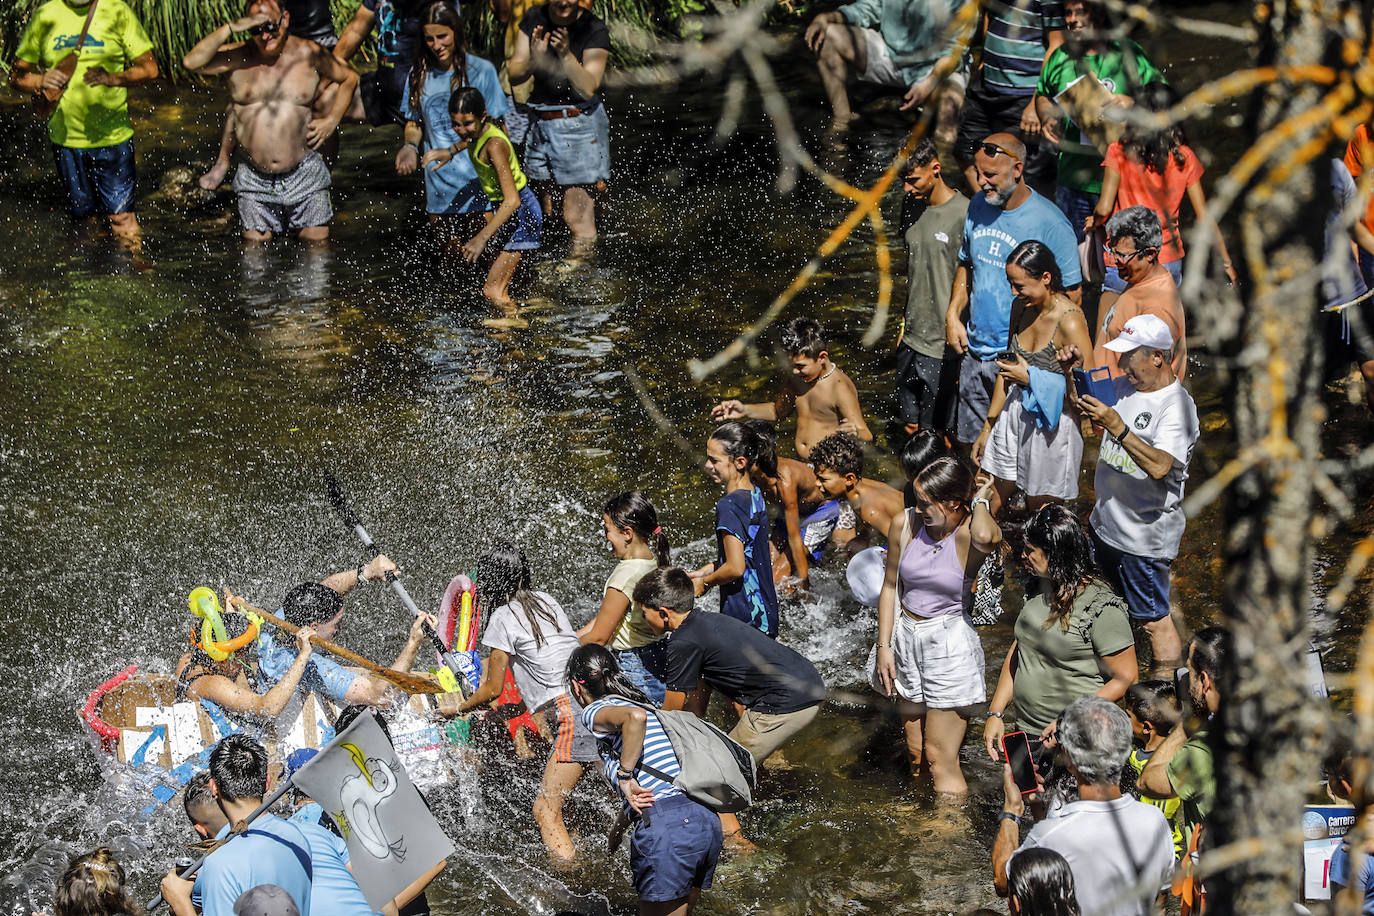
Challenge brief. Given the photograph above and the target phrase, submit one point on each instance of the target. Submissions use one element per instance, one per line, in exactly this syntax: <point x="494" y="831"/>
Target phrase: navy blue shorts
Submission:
<point x="674" y="849"/>
<point x="99" y="179"/>
<point x="523" y="230"/>
<point x="1142" y="581"/>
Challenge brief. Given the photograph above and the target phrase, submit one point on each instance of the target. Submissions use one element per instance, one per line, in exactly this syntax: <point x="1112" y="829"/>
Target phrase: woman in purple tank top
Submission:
<point x="929" y="656"/>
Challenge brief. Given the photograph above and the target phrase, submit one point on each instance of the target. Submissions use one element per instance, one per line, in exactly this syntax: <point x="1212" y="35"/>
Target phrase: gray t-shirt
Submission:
<point x="1111" y="847"/>
<point x="541" y="669"/>
<point x="932" y="244"/>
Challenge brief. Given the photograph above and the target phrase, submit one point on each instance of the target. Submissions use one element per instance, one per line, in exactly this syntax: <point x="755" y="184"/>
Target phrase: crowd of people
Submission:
<point x="1043" y="310"/>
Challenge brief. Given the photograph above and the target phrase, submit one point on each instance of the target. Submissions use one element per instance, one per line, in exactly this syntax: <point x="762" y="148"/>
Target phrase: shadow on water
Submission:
<point x="164" y="423"/>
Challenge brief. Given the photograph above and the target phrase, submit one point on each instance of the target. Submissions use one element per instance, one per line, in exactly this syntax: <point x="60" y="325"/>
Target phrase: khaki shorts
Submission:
<point x="761" y="733"/>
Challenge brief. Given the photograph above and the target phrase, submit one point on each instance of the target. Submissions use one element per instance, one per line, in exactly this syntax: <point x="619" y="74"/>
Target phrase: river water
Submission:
<point x="165" y="420"/>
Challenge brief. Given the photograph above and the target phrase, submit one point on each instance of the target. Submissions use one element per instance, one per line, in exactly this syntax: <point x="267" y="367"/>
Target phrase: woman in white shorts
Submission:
<point x="929" y="655"/>
<point x="1031" y="438"/>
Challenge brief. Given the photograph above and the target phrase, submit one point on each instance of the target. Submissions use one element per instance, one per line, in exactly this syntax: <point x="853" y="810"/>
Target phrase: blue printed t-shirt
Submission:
<point x="453" y="187"/>
<point x="321" y="674"/>
<point x="398" y="25"/>
<point x="334" y="890"/>
<point x="1015" y="44"/>
<point x="751" y="598"/>
<point x="271" y="851"/>
<point x="658" y="751"/>
<point x="990" y="234"/>
<point x="1340" y="874"/>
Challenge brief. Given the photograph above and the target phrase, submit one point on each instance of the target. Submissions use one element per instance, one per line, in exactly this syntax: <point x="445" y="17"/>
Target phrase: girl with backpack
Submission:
<point x="676" y="841"/>
<point x="528" y="632"/>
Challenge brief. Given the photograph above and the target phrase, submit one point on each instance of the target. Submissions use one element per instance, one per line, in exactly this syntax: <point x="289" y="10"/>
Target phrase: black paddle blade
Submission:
<point x="336" y="496"/>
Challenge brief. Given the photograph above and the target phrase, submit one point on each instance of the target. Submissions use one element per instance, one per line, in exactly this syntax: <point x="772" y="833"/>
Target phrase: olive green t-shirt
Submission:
<point x="932" y="244"/>
<point x="1190" y="773"/>
<point x="1055" y="666"/>
<point x="633" y="631"/>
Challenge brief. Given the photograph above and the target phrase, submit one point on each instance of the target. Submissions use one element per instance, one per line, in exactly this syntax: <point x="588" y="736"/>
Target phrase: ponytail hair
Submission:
<point x="438" y="13"/>
<point x="767" y="461"/>
<point x="503" y="577"/>
<point x="633" y="510"/>
<point x="739" y="441"/>
<point x="946" y="480"/>
<point x="593" y="668"/>
<point x="467" y="101"/>
<point x="1036" y="259"/>
<point x="93" y="885"/>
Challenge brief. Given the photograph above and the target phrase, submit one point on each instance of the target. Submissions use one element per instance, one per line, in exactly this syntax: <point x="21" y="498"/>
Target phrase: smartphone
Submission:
<point x="1016" y="747"/>
<point x="1181" y="692"/>
<point x="1006" y="356"/>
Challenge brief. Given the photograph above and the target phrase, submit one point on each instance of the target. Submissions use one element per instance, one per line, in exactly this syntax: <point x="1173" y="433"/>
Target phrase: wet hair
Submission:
<point x="923" y="155"/>
<point x="842" y="453"/>
<point x="920" y="450"/>
<point x="945" y="480"/>
<point x="633" y="510"/>
<point x="467" y="101"/>
<point x="593" y="668"/>
<point x="767" y="461"/>
<point x="197" y="800"/>
<point x="1148" y="145"/>
<point x="1042" y="883"/>
<point x="238" y="764"/>
<point x="1153" y="701"/>
<point x="803" y="337"/>
<point x="309" y="603"/>
<point x="93" y="885"/>
<point x="739" y="441"/>
<point x="1054" y="530"/>
<point x="1138" y="223"/>
<point x="352" y="711"/>
<point x="1096" y="736"/>
<point x="503" y="577"/>
<point x="438" y="13"/>
<point x="1036" y="259"/>
<point x="1211" y="650"/>
<point x="666" y="587"/>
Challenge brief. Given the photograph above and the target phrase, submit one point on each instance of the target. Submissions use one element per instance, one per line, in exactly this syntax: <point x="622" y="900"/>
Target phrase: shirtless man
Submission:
<point x="866" y="504"/>
<point x="809" y="514"/>
<point x="824" y="398"/>
<point x="274" y="78"/>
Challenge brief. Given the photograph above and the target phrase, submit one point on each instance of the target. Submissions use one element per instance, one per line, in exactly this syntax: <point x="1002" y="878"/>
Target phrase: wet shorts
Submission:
<point x="939" y="661"/>
<point x="295" y="199"/>
<point x="816" y="528"/>
<point x="569" y="151"/>
<point x="1142" y="581"/>
<point x="572" y="743"/>
<point x="99" y="179"/>
<point x="762" y="733"/>
<point x="927" y="388"/>
<point x="523" y="230"/>
<point x="674" y="849"/>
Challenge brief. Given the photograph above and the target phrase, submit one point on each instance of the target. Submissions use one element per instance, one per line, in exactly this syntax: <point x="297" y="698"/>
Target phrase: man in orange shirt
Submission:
<point x="1134" y="236"/>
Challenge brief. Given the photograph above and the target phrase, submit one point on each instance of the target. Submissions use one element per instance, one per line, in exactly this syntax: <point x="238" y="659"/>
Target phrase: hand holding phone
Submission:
<point x="1016" y="750"/>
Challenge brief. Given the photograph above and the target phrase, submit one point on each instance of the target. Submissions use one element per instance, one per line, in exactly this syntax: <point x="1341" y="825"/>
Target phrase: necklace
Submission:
<point x="829" y="372"/>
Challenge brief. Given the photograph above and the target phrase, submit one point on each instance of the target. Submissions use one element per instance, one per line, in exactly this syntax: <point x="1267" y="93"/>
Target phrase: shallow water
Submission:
<point x="164" y="423"/>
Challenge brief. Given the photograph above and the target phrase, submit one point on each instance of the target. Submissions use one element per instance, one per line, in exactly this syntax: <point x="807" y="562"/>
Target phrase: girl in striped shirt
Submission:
<point x="676" y="841"/>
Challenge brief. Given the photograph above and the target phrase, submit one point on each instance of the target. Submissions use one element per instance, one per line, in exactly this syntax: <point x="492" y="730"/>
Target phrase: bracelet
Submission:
<point x="982" y="500"/>
<point x="622" y="773"/>
<point x="1121" y="438"/>
<point x="362" y="580"/>
<point x="1008" y="816"/>
<point x="997" y="715"/>
<point x="414" y="146"/>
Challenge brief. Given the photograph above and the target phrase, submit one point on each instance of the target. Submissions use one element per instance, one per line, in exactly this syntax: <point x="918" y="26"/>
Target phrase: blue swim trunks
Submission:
<point x="98" y="180"/>
<point x="522" y="231"/>
<point x="817" y="524"/>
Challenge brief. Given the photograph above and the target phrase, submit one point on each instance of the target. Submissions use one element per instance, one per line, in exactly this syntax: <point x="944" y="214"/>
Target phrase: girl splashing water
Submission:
<point x="516" y="223"/>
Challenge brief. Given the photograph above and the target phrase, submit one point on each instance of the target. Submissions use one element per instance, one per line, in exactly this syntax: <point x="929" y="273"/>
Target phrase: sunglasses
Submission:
<point x="267" y="28"/>
<point x="1126" y="258"/>
<point x="992" y="149"/>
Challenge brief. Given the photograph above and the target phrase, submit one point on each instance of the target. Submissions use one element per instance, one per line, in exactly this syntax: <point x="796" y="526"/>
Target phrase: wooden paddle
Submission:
<point x="45" y="103"/>
<point x="407" y="681"/>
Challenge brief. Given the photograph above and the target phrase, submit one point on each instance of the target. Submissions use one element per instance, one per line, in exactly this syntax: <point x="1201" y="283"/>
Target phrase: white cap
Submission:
<point x="1143" y="331"/>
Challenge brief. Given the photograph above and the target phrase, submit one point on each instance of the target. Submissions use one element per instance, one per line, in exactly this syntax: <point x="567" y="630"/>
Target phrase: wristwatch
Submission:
<point x="984" y="501"/>
<point x="362" y="580"/>
<point x="1008" y="816"/>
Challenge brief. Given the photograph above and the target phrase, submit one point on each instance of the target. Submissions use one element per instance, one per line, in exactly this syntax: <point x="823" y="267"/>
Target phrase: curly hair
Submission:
<point x="842" y="453"/>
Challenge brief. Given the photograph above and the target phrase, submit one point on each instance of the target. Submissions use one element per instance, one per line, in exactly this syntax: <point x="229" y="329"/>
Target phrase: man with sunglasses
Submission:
<point x="1006" y="213"/>
<point x="1134" y="237"/>
<point x="274" y="78"/>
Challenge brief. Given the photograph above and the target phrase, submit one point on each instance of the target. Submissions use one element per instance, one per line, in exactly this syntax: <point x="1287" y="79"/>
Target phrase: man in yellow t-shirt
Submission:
<point x="91" y="132"/>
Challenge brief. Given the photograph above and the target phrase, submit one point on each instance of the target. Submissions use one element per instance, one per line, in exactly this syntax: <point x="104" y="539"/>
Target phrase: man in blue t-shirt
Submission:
<point x="270" y="851"/>
<point x="1006" y="213"/>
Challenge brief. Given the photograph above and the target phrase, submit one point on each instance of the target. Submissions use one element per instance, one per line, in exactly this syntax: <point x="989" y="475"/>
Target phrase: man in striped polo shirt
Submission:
<point x="1018" y="36"/>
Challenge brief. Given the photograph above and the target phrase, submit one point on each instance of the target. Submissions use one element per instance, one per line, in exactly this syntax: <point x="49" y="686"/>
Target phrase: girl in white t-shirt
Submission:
<point x="529" y="634"/>
<point x="632" y="529"/>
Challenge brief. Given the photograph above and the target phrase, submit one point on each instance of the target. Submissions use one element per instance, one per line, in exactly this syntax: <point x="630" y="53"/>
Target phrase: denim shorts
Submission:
<point x="674" y="848"/>
<point x="99" y="179"/>
<point x="1142" y="581"/>
<point x="569" y="151"/>
<point x="522" y="231"/>
<point x="646" y="667"/>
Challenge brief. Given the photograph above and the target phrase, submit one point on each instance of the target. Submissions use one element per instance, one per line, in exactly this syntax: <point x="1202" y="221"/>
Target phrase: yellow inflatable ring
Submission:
<point x="214" y="640"/>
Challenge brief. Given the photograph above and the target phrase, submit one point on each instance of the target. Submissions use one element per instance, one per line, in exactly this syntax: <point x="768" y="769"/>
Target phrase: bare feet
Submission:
<point x="215" y="176"/>
<point x="738" y="844"/>
<point x="842" y="123"/>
